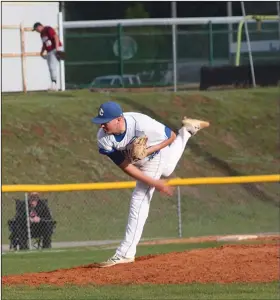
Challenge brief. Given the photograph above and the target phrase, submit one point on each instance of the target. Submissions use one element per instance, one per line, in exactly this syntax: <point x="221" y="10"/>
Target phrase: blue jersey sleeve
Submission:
<point x="116" y="156"/>
<point x="167" y="131"/>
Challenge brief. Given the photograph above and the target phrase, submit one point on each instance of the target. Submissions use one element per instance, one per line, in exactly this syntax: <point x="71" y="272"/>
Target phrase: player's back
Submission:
<point x="138" y="117"/>
<point x="153" y="129"/>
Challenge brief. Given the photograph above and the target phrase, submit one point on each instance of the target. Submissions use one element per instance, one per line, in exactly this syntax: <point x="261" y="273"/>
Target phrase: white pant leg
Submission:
<point x="173" y="153"/>
<point x="52" y="64"/>
<point x="139" y="208"/>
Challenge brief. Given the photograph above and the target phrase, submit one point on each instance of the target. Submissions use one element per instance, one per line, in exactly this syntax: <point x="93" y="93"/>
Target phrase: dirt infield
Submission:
<point x="225" y="264"/>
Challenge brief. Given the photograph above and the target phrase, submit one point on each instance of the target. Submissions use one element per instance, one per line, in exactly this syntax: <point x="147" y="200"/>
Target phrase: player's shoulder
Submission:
<point x="101" y="135"/>
<point x="133" y="114"/>
<point x="49" y="29"/>
<point x="142" y="119"/>
<point x="104" y="141"/>
<point x="136" y="116"/>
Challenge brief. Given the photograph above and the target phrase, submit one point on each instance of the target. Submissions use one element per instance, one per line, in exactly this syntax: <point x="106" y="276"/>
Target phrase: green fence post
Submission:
<point x="211" y="54"/>
<point x="120" y="52"/>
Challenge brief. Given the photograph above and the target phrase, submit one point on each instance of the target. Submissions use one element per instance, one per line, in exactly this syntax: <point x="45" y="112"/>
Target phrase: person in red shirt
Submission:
<point x="51" y="44"/>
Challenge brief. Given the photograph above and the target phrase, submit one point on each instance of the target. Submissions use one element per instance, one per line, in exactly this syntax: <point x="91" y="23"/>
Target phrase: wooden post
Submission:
<point x="30" y="29"/>
<point x="7" y="55"/>
<point x="23" y="59"/>
<point x="9" y="27"/>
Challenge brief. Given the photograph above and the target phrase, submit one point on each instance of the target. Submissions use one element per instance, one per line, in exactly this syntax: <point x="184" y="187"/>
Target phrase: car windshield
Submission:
<point x="102" y="81"/>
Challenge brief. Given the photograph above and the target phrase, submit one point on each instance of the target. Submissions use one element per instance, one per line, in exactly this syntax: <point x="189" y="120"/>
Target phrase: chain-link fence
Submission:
<point x="143" y="56"/>
<point x="99" y="217"/>
<point x="84" y="216"/>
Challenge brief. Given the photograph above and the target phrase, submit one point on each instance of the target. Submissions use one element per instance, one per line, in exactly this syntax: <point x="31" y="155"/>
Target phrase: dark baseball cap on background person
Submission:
<point x="107" y="112"/>
<point x="36" y="25"/>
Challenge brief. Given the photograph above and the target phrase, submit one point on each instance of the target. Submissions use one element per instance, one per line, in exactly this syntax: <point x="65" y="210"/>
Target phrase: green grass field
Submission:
<point x="267" y="291"/>
<point x="48" y="138"/>
<point x="17" y="263"/>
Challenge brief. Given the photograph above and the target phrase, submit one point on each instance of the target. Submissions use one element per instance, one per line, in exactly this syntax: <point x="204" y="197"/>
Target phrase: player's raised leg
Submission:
<point x="174" y="152"/>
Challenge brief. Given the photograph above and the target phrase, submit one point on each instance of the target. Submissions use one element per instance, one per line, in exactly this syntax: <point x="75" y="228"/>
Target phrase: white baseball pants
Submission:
<point x="162" y="164"/>
<point x="52" y="64"/>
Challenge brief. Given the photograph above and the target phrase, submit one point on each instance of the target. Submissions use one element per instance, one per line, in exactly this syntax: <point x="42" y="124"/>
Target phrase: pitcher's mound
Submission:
<point x="225" y="264"/>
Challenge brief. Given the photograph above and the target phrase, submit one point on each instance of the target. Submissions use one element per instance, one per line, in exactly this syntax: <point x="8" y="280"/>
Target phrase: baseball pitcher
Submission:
<point x="146" y="150"/>
<point x="53" y="46"/>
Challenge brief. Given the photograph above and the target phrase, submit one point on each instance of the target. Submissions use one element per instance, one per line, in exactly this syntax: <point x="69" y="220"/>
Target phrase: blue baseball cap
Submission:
<point x="107" y="112"/>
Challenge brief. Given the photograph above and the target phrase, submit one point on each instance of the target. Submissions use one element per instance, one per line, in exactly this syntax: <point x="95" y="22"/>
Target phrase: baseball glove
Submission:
<point x="60" y="55"/>
<point x="137" y="150"/>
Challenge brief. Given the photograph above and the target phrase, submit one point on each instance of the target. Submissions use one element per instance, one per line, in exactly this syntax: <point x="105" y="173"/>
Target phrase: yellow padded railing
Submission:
<point x="131" y="184"/>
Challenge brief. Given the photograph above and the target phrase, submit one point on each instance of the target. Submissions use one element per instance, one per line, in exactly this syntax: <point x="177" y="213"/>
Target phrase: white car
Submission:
<point x="116" y="81"/>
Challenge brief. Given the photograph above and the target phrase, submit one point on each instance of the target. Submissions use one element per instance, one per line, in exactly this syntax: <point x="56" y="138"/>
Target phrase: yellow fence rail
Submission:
<point x="258" y="19"/>
<point x="131" y="184"/>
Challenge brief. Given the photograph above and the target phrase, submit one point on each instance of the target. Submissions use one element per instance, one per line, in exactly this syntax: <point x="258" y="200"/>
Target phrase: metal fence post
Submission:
<point x="211" y="54"/>
<point x="179" y="212"/>
<point x="120" y="51"/>
<point x="248" y="45"/>
<point x="278" y="13"/>
<point x="61" y="63"/>
<point x="230" y="30"/>
<point x="174" y="45"/>
<point x="27" y="220"/>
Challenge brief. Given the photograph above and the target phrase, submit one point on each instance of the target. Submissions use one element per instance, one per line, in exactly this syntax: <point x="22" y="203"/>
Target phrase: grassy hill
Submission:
<point x="49" y="138"/>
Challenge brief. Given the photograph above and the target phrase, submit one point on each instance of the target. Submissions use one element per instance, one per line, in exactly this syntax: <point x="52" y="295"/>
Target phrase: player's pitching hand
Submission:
<point x="162" y="187"/>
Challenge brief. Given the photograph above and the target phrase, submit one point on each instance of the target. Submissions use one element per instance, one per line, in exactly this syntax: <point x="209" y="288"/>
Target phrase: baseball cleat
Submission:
<point x="193" y="126"/>
<point x="115" y="260"/>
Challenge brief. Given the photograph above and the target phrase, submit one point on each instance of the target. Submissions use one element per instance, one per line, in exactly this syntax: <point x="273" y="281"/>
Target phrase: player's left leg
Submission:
<point x="173" y="153"/>
<point x="138" y="214"/>
<point x="53" y="65"/>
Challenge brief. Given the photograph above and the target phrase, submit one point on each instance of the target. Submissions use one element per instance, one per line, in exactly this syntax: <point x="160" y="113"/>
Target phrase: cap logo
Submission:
<point x="101" y="112"/>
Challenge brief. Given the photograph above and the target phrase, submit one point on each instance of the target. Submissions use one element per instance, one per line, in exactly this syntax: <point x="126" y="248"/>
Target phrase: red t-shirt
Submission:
<point x="47" y="36"/>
